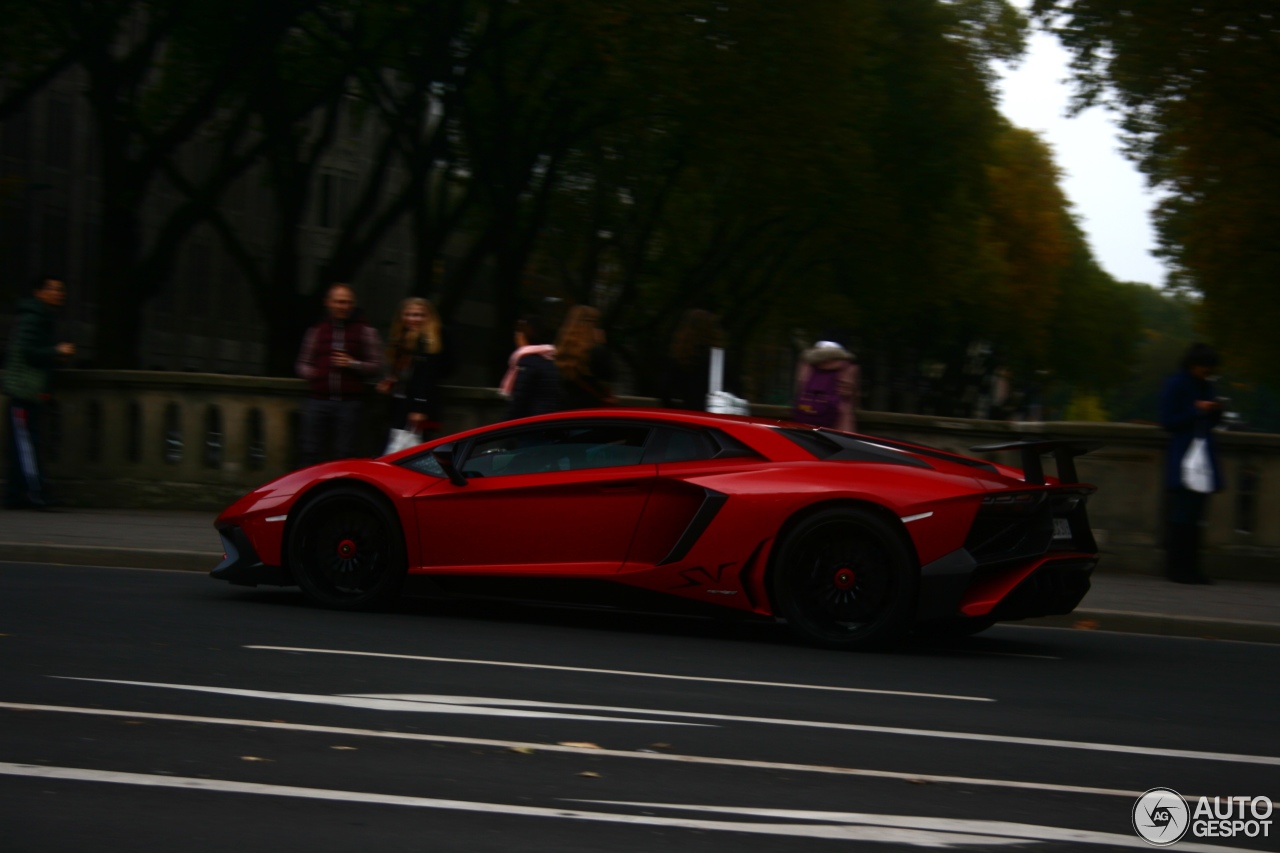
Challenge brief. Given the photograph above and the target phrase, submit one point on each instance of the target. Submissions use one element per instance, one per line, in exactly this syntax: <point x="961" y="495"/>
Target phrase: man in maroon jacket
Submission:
<point x="338" y="354"/>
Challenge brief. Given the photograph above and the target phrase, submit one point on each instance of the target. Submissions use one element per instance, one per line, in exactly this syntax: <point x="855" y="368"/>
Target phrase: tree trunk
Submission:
<point x="118" y="312"/>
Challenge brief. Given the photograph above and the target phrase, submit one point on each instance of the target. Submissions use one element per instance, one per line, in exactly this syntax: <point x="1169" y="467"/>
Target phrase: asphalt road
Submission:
<point x="151" y="710"/>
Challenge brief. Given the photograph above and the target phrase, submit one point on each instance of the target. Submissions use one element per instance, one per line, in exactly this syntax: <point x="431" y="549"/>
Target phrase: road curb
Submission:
<point x="110" y="557"/>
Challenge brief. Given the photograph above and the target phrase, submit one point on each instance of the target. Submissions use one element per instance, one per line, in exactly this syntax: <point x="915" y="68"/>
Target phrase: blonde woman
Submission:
<point x="417" y="359"/>
<point x="583" y="360"/>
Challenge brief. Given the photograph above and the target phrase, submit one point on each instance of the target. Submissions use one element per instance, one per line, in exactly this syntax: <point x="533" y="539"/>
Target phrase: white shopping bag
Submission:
<point x="399" y="439"/>
<point x="1197" y="468"/>
<point x="724" y="403"/>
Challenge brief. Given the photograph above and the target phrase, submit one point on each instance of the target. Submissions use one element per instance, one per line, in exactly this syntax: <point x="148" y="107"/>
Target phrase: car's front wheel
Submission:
<point x="346" y="551"/>
<point x="844" y="579"/>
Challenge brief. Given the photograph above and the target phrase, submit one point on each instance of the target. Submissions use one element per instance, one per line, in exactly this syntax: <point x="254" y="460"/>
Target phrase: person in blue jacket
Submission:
<point x="1189" y="409"/>
<point x="34" y="352"/>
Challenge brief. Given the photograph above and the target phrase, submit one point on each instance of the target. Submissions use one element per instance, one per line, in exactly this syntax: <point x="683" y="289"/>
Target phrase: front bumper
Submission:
<point x="241" y="565"/>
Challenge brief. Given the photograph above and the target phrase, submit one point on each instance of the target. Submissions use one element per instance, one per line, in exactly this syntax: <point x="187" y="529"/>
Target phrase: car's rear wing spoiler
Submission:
<point x="1064" y="453"/>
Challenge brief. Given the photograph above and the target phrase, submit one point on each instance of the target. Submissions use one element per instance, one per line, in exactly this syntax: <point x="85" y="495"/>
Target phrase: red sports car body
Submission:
<point x="853" y="539"/>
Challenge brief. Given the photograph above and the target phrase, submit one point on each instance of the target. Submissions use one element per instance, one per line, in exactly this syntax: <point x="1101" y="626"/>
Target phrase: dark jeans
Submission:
<point x="1182" y="535"/>
<point x="24" y="479"/>
<point x="325" y="420"/>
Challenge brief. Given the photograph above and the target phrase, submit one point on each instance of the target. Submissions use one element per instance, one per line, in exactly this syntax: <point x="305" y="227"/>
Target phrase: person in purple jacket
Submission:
<point x="339" y="354"/>
<point x="1189" y="409"/>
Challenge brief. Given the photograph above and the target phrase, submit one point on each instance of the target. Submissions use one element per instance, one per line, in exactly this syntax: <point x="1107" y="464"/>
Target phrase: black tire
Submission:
<point x="844" y="579"/>
<point x="346" y="551"/>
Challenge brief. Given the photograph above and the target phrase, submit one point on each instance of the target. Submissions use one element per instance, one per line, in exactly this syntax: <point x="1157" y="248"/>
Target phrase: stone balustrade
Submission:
<point x="198" y="441"/>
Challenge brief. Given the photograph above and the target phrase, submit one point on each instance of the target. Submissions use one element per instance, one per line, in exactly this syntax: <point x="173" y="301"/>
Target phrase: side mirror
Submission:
<point x="444" y="458"/>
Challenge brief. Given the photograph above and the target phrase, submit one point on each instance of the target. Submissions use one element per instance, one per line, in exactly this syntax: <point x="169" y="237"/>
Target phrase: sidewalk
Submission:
<point x="157" y="539"/>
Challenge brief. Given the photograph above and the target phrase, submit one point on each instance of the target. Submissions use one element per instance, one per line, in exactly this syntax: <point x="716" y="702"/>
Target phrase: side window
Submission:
<point x="423" y="463"/>
<point x="558" y="448"/>
<point x="684" y="445"/>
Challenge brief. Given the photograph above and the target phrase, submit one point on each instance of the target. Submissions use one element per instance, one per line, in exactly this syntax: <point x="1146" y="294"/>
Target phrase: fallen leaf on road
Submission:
<point x="255" y="758"/>
<point x="917" y="781"/>
<point x="580" y="744"/>
<point x="660" y="745"/>
<point x="590" y="773"/>
<point x="1086" y="625"/>
<point x="523" y="750"/>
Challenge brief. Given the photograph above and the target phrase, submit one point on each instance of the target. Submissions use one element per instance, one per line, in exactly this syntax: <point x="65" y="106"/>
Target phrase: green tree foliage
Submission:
<point x="1197" y="86"/>
<point x="832" y="164"/>
<point x="157" y="73"/>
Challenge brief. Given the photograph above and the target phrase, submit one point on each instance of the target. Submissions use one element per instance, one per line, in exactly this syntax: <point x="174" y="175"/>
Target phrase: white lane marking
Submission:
<point x="741" y="763"/>
<point x="375" y="704"/>
<point x="882" y="829"/>
<point x="916" y="831"/>
<point x="920" y="517"/>
<point x="998" y="828"/>
<point x="434" y="705"/>
<point x="624" y="672"/>
<point x="818" y="724"/>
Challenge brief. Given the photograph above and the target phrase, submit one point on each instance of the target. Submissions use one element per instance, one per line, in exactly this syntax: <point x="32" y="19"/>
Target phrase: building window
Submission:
<point x="16" y="130"/>
<point x="1247" y="498"/>
<point x="58" y="135"/>
<point x="55" y="242"/>
<point x="326" y="201"/>
<point x="198" y="297"/>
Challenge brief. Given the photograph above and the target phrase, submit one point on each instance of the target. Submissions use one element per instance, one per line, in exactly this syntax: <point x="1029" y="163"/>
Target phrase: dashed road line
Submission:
<point x="898" y="830"/>
<point x="623" y="672"/>
<point x="536" y="747"/>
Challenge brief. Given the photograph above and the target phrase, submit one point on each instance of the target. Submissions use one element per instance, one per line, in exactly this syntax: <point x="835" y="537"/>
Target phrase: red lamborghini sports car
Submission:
<point x="853" y="540"/>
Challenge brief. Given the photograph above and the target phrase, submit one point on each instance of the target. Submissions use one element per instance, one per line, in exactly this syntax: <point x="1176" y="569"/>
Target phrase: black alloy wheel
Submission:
<point x="346" y="551"/>
<point x="844" y="579"/>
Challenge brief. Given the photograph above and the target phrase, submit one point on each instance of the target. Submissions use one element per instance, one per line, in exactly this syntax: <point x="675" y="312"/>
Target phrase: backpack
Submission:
<point x="818" y="402"/>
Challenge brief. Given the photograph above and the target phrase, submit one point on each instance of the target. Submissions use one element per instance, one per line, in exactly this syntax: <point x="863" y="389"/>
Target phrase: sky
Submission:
<point x="1107" y="192"/>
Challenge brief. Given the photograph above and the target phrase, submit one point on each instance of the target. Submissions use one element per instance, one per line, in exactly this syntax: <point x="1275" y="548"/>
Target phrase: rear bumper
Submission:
<point x="241" y="565"/>
<point x="1052" y="587"/>
<point x="957" y="587"/>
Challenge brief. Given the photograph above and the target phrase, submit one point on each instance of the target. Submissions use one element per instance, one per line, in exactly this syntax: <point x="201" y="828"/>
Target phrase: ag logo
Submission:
<point x="1161" y="816"/>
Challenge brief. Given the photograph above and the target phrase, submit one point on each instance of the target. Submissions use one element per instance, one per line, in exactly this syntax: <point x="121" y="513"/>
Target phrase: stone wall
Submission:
<point x="198" y="441"/>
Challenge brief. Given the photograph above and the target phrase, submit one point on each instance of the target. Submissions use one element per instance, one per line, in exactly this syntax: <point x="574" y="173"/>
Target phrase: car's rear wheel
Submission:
<point x="844" y="579"/>
<point x="346" y="551"/>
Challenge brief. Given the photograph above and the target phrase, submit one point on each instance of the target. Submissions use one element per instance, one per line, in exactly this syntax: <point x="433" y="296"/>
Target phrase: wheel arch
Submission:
<point x="891" y="520"/>
<point x="326" y="487"/>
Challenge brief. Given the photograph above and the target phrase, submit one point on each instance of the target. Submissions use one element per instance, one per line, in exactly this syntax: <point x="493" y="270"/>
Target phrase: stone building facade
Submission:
<point x="205" y="319"/>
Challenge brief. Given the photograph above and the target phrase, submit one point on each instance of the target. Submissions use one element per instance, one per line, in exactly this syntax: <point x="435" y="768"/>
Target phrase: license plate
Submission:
<point x="1061" y="528"/>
